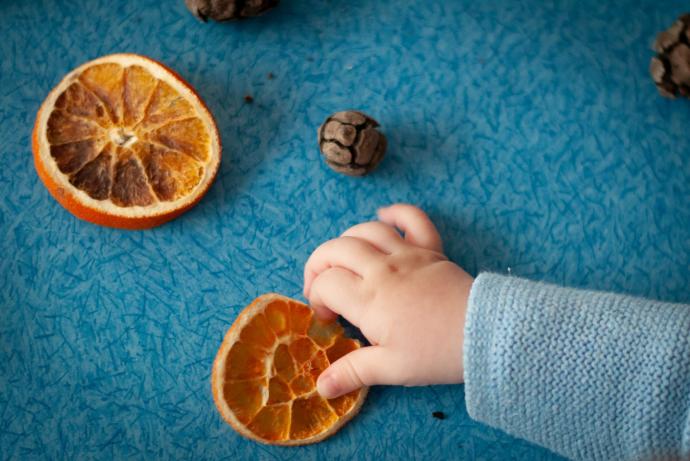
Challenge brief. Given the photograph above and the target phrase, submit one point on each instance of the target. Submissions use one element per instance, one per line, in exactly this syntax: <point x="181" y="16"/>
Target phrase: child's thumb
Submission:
<point x="362" y="367"/>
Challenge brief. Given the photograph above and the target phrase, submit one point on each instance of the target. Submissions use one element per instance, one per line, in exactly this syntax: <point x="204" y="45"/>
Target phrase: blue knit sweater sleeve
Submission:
<point x="589" y="375"/>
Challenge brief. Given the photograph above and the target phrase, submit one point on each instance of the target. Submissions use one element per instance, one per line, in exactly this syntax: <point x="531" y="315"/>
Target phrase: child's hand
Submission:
<point x="405" y="296"/>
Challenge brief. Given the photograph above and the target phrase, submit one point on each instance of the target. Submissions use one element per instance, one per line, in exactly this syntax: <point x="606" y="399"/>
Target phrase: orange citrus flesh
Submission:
<point x="264" y="376"/>
<point x="125" y="142"/>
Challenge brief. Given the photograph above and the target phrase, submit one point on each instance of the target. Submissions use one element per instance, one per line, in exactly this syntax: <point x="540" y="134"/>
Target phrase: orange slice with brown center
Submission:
<point x="123" y="141"/>
<point x="264" y="376"/>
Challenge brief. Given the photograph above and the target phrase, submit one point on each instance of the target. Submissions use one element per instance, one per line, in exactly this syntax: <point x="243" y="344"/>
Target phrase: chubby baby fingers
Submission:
<point x="362" y="367"/>
<point x="382" y="236"/>
<point x="337" y="291"/>
<point x="353" y="254"/>
<point x="415" y="224"/>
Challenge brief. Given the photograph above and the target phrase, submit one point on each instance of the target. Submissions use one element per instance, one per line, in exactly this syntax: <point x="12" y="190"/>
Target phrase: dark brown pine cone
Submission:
<point x="227" y="10"/>
<point x="670" y="68"/>
<point x="350" y="143"/>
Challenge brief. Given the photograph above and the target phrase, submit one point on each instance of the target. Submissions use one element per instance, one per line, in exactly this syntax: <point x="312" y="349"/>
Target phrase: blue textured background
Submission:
<point x="530" y="131"/>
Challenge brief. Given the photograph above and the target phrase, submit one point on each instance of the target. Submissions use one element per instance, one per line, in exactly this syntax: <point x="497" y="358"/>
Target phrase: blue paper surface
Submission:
<point x="529" y="130"/>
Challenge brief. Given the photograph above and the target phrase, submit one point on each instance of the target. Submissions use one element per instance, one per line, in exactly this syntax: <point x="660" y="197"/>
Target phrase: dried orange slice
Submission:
<point x="264" y="376"/>
<point x="123" y="141"/>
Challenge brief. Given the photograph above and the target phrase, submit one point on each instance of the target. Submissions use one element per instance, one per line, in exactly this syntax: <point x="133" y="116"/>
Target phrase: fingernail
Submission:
<point x="327" y="386"/>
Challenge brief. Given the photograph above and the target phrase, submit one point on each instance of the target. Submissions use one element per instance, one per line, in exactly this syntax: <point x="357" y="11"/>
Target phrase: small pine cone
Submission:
<point x="670" y="68"/>
<point x="227" y="10"/>
<point x="350" y="143"/>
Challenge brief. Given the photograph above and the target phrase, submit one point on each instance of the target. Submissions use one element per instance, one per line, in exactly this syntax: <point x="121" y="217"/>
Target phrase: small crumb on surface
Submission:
<point x="439" y="415"/>
<point x="248" y="99"/>
<point x="270" y="76"/>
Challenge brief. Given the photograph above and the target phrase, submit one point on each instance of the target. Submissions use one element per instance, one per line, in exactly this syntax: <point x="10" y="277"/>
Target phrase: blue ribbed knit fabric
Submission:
<point x="592" y="376"/>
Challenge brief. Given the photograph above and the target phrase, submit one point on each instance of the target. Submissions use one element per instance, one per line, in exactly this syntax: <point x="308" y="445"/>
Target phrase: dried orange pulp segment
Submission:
<point x="123" y="141"/>
<point x="264" y="376"/>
